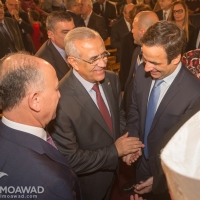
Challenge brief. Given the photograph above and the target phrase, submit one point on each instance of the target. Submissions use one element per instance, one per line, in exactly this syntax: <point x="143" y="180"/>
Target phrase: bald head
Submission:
<point x="142" y="21"/>
<point x="19" y="74"/>
<point x="145" y="19"/>
<point x="127" y="10"/>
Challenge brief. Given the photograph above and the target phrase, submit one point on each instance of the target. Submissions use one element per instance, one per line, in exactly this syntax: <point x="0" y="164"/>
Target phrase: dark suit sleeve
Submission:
<point x="115" y="38"/>
<point x="25" y="24"/>
<point x="133" y="115"/>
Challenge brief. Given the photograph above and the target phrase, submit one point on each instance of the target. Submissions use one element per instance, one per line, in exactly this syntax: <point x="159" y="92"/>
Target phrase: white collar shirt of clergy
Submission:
<point x="37" y="131"/>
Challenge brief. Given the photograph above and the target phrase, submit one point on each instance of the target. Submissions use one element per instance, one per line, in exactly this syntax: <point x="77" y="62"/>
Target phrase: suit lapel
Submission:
<point x="85" y="101"/>
<point x="60" y="63"/>
<point x="9" y="30"/>
<point x="32" y="142"/>
<point x="171" y="92"/>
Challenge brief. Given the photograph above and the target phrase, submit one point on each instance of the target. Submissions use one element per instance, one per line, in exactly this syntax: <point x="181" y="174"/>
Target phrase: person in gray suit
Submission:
<point x="90" y="121"/>
<point x="168" y="91"/>
<point x="58" y="24"/>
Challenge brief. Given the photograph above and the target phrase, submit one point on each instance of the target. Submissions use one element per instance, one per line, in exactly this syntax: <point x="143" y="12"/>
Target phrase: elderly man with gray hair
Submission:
<point x="90" y="121"/>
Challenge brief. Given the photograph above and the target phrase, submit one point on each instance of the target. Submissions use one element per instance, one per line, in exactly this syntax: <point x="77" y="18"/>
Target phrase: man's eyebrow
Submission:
<point x="152" y="62"/>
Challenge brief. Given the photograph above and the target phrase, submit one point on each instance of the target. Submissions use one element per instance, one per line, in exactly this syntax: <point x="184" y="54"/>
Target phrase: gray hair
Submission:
<point x="70" y="3"/>
<point x="55" y="17"/>
<point x="80" y="33"/>
<point x="19" y="73"/>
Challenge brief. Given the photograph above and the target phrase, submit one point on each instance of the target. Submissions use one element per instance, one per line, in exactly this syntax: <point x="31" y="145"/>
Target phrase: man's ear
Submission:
<point x="73" y="62"/>
<point x="34" y="101"/>
<point x="176" y="60"/>
<point x="50" y="35"/>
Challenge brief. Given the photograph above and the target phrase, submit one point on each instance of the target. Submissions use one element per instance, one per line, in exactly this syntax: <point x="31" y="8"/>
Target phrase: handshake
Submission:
<point x="130" y="148"/>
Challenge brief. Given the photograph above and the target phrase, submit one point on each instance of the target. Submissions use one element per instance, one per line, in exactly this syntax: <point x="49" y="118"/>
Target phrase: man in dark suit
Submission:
<point x="142" y="21"/>
<point x="29" y="158"/>
<point x="89" y="118"/>
<point x="58" y="24"/>
<point x="168" y="91"/>
<point x="73" y="8"/>
<point x="23" y="22"/>
<point x="164" y="12"/>
<point x="92" y="20"/>
<point x="107" y="10"/>
<point x="120" y="28"/>
<point x="10" y="35"/>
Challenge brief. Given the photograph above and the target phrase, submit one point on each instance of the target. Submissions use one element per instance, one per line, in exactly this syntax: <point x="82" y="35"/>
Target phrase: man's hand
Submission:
<point x="15" y="14"/>
<point x="131" y="158"/>
<point x="127" y="145"/>
<point x="135" y="197"/>
<point x="144" y="187"/>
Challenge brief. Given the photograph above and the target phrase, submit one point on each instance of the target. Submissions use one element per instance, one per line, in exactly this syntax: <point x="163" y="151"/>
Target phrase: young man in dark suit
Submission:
<point x="10" y="35"/>
<point x="29" y="158"/>
<point x="89" y="119"/>
<point x="163" y="91"/>
<point x="58" y="24"/>
<point x="165" y="11"/>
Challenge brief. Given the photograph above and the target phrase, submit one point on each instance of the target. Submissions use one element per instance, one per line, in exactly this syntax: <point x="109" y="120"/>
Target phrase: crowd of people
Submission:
<point x="65" y="122"/>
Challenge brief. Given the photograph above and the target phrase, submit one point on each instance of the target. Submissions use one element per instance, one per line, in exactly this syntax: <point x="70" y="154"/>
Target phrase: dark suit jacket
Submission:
<point x="159" y="181"/>
<point x="118" y="30"/>
<point x="27" y="29"/>
<point x="15" y="34"/>
<point x="127" y="49"/>
<point x="160" y="14"/>
<point x="30" y="161"/>
<point x="130" y="80"/>
<point x="191" y="44"/>
<point x="180" y="98"/>
<point x="49" y="53"/>
<point x="78" y="20"/>
<point x="109" y="14"/>
<point x="195" y="19"/>
<point x="82" y="135"/>
<point x="97" y="23"/>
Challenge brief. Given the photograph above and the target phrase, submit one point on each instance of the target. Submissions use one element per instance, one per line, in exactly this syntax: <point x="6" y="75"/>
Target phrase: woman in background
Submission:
<point x="180" y="16"/>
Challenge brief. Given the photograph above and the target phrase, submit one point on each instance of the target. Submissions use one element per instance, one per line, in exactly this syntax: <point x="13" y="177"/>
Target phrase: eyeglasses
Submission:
<point x="178" y="11"/>
<point x="95" y="61"/>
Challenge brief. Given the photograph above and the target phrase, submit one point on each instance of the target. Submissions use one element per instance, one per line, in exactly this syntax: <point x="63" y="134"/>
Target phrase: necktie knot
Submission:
<point x="96" y="88"/>
<point x="158" y="82"/>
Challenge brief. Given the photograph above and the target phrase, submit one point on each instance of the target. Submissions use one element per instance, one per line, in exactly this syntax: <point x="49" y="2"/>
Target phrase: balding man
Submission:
<point x="142" y="21"/>
<point x="164" y="90"/>
<point x="120" y="28"/>
<point x="93" y="20"/>
<point x="73" y="8"/>
<point x="30" y="163"/>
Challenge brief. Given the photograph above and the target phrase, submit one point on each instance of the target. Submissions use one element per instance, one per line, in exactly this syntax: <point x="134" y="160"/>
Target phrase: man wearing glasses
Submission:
<point x="89" y="120"/>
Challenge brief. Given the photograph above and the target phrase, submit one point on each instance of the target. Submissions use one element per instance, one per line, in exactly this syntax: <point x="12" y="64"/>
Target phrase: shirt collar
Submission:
<point x="169" y="79"/>
<point x="61" y="51"/>
<point x="87" y="85"/>
<point x="37" y="131"/>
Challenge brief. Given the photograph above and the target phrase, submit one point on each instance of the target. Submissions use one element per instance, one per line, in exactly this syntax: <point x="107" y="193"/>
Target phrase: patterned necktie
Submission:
<point x="7" y="37"/>
<point x="164" y="16"/>
<point x="50" y="141"/>
<point x="102" y="107"/>
<point x="151" y="110"/>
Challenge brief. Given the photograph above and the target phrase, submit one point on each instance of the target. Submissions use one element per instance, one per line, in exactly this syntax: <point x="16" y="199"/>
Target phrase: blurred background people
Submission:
<point x="180" y="16"/>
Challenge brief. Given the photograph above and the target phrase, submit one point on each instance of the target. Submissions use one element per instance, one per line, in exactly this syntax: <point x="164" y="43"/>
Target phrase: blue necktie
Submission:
<point x="151" y="110"/>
